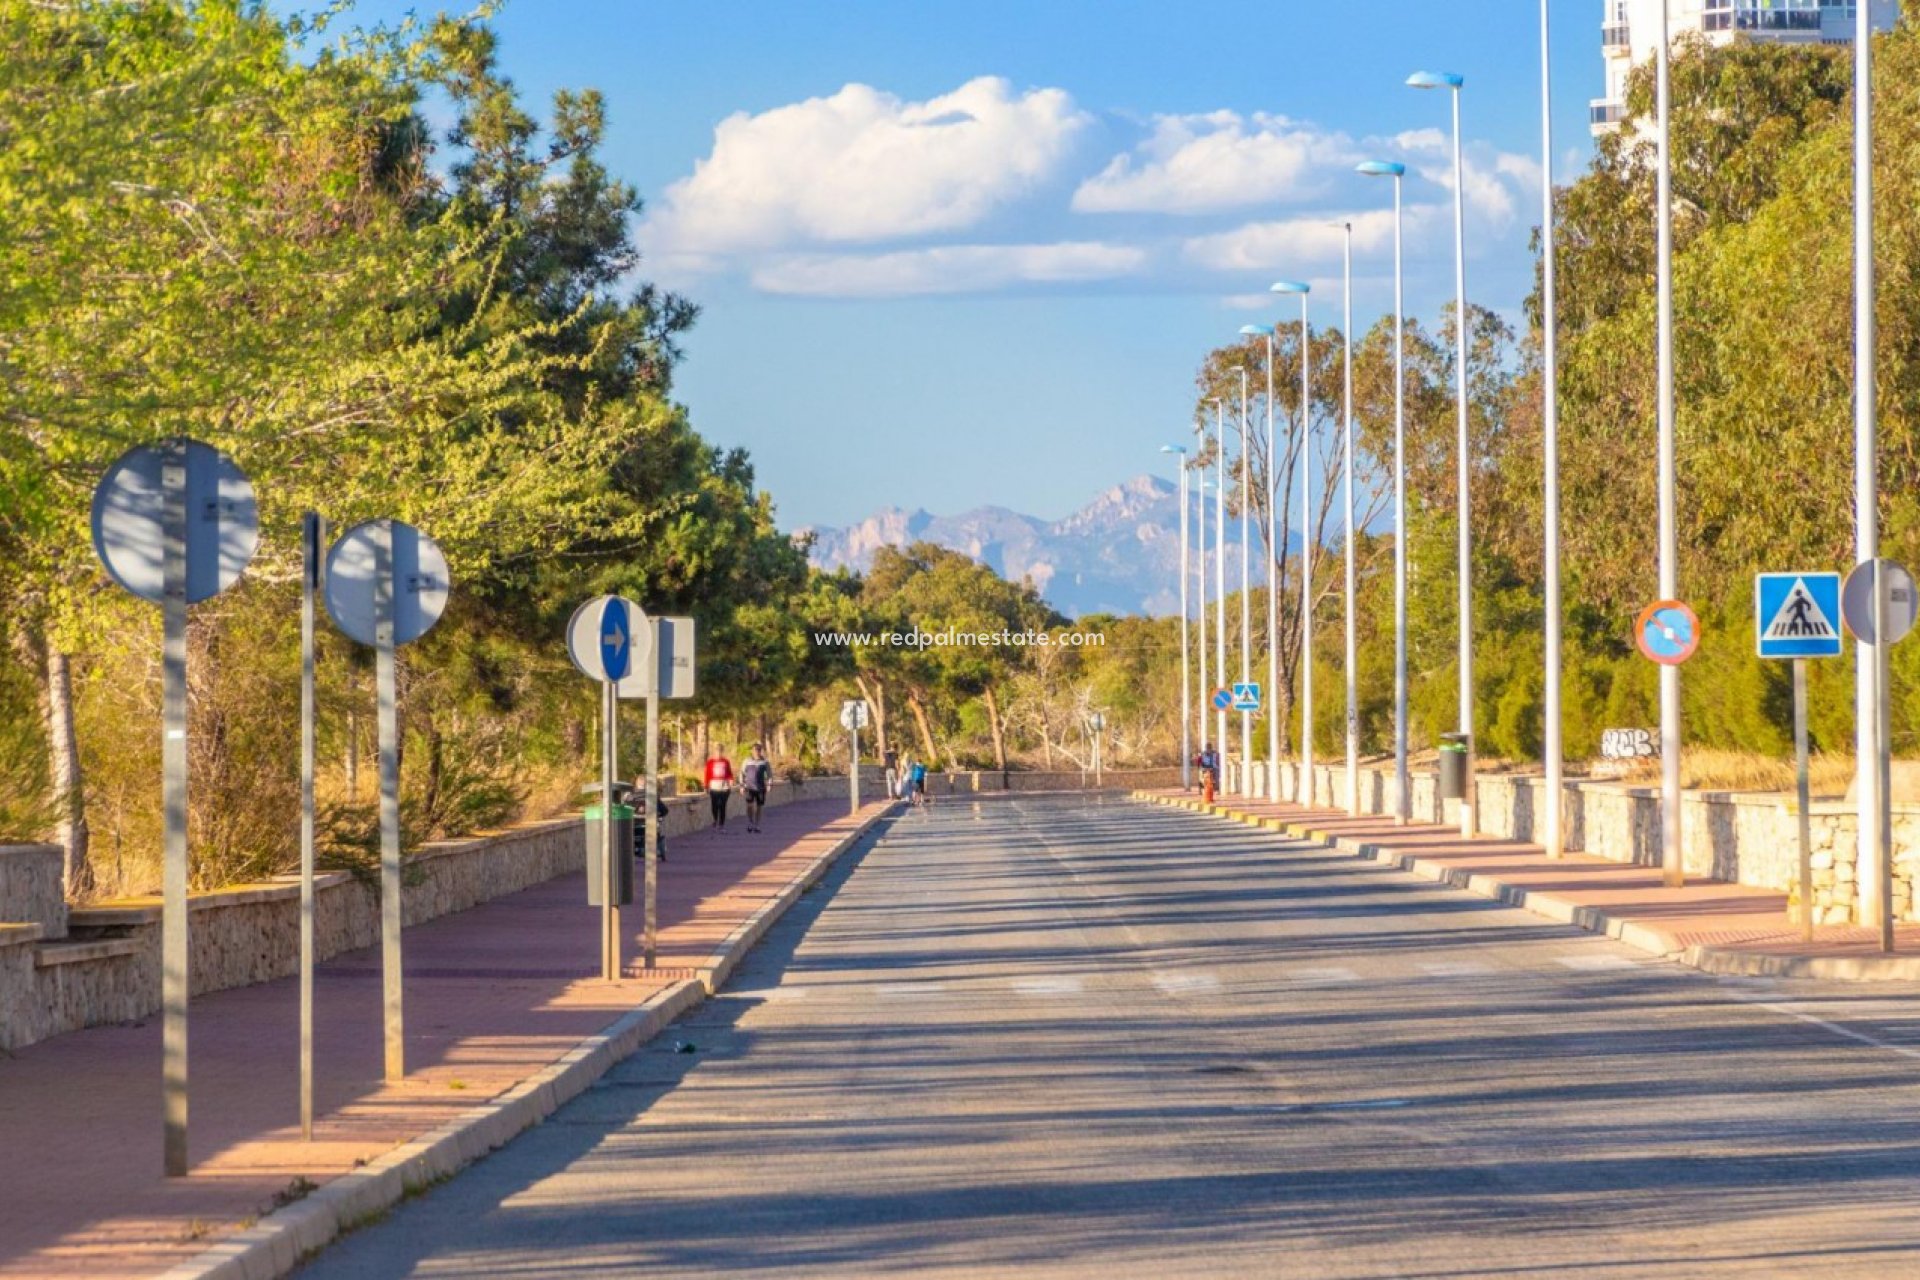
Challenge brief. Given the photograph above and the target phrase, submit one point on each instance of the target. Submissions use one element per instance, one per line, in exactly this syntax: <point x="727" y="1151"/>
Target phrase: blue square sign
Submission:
<point x="1797" y="615"/>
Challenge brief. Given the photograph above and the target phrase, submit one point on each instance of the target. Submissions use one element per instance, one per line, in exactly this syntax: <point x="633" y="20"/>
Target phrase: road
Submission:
<point x="1055" y="1037"/>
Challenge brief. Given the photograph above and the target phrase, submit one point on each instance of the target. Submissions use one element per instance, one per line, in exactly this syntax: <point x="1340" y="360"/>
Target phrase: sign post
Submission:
<point x="853" y="718"/>
<point x="1667" y="633"/>
<point x="1880" y="605"/>
<point x="669" y="674"/>
<point x="386" y="585"/>
<point x="174" y="523"/>
<point x="313" y="538"/>
<point x="1797" y="616"/>
<point x="1098" y="723"/>
<point x="610" y="640"/>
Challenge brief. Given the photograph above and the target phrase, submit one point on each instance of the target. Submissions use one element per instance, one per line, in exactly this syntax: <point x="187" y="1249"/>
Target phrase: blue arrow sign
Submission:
<point x="1797" y="615"/>
<point x="616" y="638"/>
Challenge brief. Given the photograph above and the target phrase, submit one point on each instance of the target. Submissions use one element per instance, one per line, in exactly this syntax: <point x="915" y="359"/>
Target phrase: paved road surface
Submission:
<point x="1027" y="1037"/>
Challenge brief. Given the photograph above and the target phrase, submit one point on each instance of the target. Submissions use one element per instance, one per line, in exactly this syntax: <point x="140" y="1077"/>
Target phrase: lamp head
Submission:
<point x="1381" y="168"/>
<point x="1256" y="330"/>
<point x="1173" y="448"/>
<point x="1291" y="286"/>
<point x="1435" y="80"/>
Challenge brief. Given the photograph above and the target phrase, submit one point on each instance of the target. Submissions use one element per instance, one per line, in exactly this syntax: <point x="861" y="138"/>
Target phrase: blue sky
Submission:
<point x="958" y="253"/>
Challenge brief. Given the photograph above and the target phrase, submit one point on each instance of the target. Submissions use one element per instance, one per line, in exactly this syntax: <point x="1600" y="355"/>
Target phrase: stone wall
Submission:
<point x="1745" y="838"/>
<point x="31" y="891"/>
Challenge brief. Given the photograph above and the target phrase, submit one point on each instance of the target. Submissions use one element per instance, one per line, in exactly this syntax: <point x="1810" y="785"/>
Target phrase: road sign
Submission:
<point x="1096" y="722"/>
<point x="1667" y="632"/>
<point x="1902" y="603"/>
<point x="223" y="525"/>
<point x="1222" y="699"/>
<point x="676" y="657"/>
<point x="853" y="714"/>
<point x="1797" y="615"/>
<point x="419" y="581"/>
<point x="616" y="631"/>
<point x="1246" y="695"/>
<point x="609" y="638"/>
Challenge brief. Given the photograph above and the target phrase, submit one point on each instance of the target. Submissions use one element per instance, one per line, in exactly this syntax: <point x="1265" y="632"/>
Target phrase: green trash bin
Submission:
<point x="622" y="856"/>
<point x="1453" y="765"/>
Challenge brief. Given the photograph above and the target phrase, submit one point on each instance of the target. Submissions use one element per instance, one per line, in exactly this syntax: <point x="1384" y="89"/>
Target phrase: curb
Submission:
<point x="283" y="1239"/>
<point x="1720" y="960"/>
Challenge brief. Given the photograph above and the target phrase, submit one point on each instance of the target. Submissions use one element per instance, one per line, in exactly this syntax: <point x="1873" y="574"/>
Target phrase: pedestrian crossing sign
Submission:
<point x="1797" y="615"/>
<point x="1246" y="696"/>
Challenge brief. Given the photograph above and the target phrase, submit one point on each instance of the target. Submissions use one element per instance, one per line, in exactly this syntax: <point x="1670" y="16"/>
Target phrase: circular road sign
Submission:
<point x="1667" y="632"/>
<point x="129" y="524"/>
<point x="1856" y="601"/>
<point x="609" y="638"/>
<point x="418" y="585"/>
<point x="1222" y="699"/>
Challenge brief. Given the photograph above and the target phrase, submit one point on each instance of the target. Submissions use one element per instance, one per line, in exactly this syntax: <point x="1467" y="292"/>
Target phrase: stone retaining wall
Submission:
<point x="1746" y="838"/>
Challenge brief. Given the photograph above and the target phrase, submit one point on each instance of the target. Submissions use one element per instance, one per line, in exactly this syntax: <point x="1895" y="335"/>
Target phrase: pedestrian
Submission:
<point x="755" y="777"/>
<point x="1209" y="761"/>
<point x="918" y="783"/>
<point x="893" y="773"/>
<point x="719" y="786"/>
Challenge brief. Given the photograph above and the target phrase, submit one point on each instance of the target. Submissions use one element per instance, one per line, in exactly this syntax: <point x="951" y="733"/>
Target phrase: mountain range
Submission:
<point x="1119" y="553"/>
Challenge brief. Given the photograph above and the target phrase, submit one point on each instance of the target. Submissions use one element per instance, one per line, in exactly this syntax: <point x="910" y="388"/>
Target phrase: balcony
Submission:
<point x="1749" y="16"/>
<point x="1613" y="38"/>
<point x="1604" y="113"/>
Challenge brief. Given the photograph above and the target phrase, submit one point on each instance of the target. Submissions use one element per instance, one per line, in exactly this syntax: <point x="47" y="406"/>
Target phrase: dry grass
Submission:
<point x="1829" y="773"/>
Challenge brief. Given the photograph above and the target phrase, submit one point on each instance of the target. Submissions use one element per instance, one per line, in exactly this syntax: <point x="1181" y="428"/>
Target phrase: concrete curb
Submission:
<point x="281" y="1240"/>
<point x="1721" y="960"/>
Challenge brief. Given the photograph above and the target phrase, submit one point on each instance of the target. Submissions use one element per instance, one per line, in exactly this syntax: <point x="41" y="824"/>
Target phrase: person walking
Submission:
<point x="1209" y="762"/>
<point x="917" y="781"/>
<point x="719" y="786"/>
<point x="755" y="777"/>
<point x="893" y="773"/>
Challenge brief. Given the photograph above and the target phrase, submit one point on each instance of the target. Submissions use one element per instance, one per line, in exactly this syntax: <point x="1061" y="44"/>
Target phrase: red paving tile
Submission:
<point x="493" y="994"/>
<point x="1710" y="913"/>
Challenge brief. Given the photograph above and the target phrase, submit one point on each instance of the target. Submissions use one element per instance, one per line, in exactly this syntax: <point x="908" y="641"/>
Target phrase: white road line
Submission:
<point x="1322" y="977"/>
<point x="766" y="993"/>
<point x="1456" y="969"/>
<point x="1834" y="1027"/>
<point x="1175" y="984"/>
<point x="1598" y="962"/>
<point x="1047" y="986"/>
<point x="908" y="990"/>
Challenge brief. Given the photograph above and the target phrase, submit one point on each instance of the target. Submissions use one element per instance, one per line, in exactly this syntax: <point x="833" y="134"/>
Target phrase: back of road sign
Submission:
<point x="420" y="581"/>
<point x="853" y="714"/>
<point x="1797" y="615"/>
<point x="672" y="664"/>
<point x="1856" y="601"/>
<point x="129" y="534"/>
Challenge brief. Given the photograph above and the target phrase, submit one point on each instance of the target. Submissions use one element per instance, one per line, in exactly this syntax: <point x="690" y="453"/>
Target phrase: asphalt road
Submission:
<point x="1052" y="1037"/>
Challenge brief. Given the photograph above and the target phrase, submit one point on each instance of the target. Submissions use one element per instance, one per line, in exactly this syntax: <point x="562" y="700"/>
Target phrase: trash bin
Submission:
<point x="622" y="856"/>
<point x="1453" y="765"/>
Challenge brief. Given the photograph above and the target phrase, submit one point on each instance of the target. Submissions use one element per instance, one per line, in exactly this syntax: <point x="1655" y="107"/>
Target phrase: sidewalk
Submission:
<point x="495" y="995"/>
<point x="1710" y="924"/>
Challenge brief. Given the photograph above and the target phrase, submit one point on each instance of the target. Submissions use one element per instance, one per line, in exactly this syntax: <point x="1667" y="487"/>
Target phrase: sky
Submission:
<point x="954" y="253"/>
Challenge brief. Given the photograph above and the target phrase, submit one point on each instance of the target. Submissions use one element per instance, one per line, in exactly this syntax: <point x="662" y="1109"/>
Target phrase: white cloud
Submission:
<point x="864" y="165"/>
<point x="1495" y="181"/>
<point x="1220" y="160"/>
<point x="961" y="268"/>
<point x="1293" y="244"/>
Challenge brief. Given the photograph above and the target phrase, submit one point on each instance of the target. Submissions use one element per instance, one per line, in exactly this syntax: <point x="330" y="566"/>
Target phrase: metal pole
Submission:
<point x="1883" y="754"/>
<point x="1802" y="794"/>
<point x="1403" y="802"/>
<point x="174" y="953"/>
<point x="1200" y="574"/>
<point x="1220" y="577"/>
<point x="1868" y="694"/>
<point x="1246" y="585"/>
<point x="1305" y="790"/>
<point x="1670" y="851"/>
<point x="1278" y="557"/>
<point x="609" y="882"/>
<point x="1186" y="659"/>
<point x="1353" y="634"/>
<point x="853" y="770"/>
<point x="392" y="995"/>
<point x="1555" y="753"/>
<point x="1464" y="470"/>
<point x="313" y="538"/>
<point x="650" y="923"/>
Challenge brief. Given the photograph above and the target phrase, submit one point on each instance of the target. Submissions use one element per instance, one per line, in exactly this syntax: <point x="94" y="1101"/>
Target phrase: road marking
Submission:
<point x="1456" y="969"/>
<point x="908" y="990"/>
<point x="1834" y="1027"/>
<point x="1598" y="962"/>
<point x="1357" y="1104"/>
<point x="1175" y="984"/>
<point x="1322" y="977"/>
<point x="766" y="993"/>
<point x="1047" y="986"/>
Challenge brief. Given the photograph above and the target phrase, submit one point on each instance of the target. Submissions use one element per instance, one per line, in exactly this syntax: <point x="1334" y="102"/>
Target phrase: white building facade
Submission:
<point x="1630" y="33"/>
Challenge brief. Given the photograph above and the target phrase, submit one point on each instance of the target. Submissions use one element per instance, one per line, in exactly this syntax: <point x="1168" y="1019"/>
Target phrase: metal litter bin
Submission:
<point x="622" y="856"/>
<point x="1453" y="765"/>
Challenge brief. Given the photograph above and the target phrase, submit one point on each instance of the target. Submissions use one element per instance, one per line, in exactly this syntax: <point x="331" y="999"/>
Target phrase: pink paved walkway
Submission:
<point x="493" y="995"/>
<point x="1744" y="927"/>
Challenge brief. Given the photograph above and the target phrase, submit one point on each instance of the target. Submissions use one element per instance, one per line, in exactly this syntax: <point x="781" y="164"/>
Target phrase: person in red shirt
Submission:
<point x="719" y="786"/>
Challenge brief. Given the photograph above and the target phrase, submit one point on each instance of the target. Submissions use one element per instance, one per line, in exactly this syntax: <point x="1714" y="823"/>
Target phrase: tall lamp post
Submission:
<point x="1403" y="799"/>
<point x="1199" y="467"/>
<point x="1346" y="466"/>
<point x="1450" y="81"/>
<point x="1304" y="792"/>
<point x="1555" y="835"/>
<point x="1186" y="690"/>
<point x="1869" y="680"/>
<point x="1220" y="574"/>
<point x="1670" y="849"/>
<point x="1246" y="586"/>
<point x="1273" y="578"/>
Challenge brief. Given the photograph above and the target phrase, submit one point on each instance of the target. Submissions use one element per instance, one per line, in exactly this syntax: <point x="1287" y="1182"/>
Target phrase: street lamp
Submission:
<point x="1403" y="799"/>
<point x="1246" y="588"/>
<point x="1305" y="787"/>
<point x="1346" y="465"/>
<point x="1200" y="567"/>
<point x="1273" y="605"/>
<point x="1220" y="575"/>
<point x="1551" y="747"/>
<point x="1186" y="692"/>
<point x="1452" y="82"/>
<point x="1675" y="871"/>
